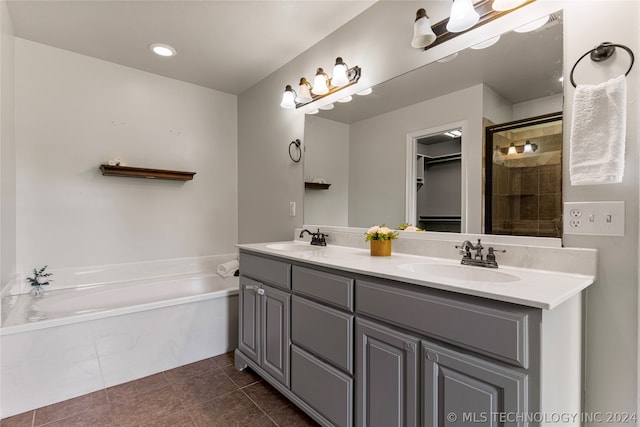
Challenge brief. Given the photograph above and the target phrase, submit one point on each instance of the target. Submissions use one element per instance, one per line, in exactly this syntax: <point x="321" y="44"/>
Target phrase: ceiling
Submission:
<point x="223" y="45"/>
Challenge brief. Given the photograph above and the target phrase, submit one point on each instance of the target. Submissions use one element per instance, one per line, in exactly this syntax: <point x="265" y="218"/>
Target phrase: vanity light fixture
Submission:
<point x="288" y="98"/>
<point x="423" y="34"/>
<point x="527" y="147"/>
<point x="320" y="83"/>
<point x="162" y="49"/>
<point x="463" y="16"/>
<point x="304" y="92"/>
<point x="323" y="86"/>
<point x="504" y="5"/>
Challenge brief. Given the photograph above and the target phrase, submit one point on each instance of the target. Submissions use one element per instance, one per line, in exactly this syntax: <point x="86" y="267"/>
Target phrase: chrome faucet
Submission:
<point x="478" y="259"/>
<point x="317" y="238"/>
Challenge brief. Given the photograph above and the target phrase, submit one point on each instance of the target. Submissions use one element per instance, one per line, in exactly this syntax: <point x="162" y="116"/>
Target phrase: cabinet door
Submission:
<point x="459" y="389"/>
<point x="386" y="376"/>
<point x="249" y="326"/>
<point x="275" y="333"/>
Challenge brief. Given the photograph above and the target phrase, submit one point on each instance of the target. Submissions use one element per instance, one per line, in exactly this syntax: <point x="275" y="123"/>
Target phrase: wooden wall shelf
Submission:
<point x="132" y="172"/>
<point x="316" y="186"/>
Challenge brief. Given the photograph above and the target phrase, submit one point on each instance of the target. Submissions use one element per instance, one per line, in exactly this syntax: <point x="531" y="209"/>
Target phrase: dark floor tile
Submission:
<point x="266" y="397"/>
<point x="96" y="417"/>
<point x="138" y="386"/>
<point x="145" y="407"/>
<point x="21" y="420"/>
<point x="201" y="367"/>
<point x="232" y="409"/>
<point x="178" y="419"/>
<point x="69" y="408"/>
<point x="223" y="360"/>
<point x="201" y="388"/>
<point x="291" y="416"/>
<point x="241" y="378"/>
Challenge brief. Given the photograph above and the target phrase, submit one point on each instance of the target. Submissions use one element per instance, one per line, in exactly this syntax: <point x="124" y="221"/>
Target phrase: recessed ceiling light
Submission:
<point x="327" y="107"/>
<point x="162" y="49"/>
<point x="365" y="92"/>
<point x="346" y="99"/>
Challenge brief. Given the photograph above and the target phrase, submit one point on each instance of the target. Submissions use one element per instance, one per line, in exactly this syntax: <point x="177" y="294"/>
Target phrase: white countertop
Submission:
<point x="534" y="288"/>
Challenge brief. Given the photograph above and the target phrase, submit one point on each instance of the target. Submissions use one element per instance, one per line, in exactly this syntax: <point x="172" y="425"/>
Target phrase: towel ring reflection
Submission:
<point x="601" y="53"/>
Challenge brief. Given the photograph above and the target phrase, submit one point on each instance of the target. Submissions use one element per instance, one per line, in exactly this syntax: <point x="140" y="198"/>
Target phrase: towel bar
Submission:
<point x="600" y="53"/>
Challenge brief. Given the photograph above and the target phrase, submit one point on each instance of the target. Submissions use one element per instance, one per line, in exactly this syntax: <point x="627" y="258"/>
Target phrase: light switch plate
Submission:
<point x="594" y="218"/>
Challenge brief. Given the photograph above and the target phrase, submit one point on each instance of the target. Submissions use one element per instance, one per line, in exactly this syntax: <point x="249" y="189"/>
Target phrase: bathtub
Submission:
<point x="78" y="339"/>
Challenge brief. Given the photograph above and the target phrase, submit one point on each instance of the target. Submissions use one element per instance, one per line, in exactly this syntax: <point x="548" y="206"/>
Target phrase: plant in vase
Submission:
<point x="39" y="279"/>
<point x="408" y="227"/>
<point x="380" y="238"/>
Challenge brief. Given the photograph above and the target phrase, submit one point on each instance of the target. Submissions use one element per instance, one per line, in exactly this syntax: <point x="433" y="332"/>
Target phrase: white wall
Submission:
<point x="74" y="113"/>
<point x="611" y="321"/>
<point x="612" y="303"/>
<point x="377" y="156"/>
<point x="538" y="107"/>
<point x="326" y="152"/>
<point x="7" y="149"/>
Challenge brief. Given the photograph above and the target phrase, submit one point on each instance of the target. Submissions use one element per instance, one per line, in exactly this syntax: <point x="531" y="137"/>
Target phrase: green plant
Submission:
<point x="40" y="277"/>
<point x="380" y="233"/>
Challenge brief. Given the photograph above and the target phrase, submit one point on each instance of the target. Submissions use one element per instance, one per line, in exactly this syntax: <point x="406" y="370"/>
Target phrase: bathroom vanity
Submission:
<point x="367" y="341"/>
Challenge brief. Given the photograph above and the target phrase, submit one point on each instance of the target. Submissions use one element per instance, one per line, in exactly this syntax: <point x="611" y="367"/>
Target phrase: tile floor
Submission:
<point x="208" y="393"/>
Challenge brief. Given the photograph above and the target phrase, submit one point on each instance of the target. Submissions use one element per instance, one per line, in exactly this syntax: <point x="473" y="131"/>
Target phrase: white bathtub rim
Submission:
<point x="27" y="325"/>
<point x="147" y="270"/>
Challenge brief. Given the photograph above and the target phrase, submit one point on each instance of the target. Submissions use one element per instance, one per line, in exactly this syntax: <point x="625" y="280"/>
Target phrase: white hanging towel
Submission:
<point x="598" y="132"/>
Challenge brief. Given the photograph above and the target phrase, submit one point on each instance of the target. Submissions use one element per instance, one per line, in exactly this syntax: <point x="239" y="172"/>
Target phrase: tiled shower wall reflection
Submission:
<point x="527" y="197"/>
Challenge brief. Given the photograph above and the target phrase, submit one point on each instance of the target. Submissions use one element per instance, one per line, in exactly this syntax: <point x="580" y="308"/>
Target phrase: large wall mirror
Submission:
<point x="362" y="158"/>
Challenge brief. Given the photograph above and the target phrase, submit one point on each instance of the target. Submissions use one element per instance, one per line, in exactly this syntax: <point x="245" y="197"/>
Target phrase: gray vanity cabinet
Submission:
<point x="264" y="320"/>
<point x="459" y="389"/>
<point x="387" y="373"/>
<point x="264" y="327"/>
<point x="322" y="343"/>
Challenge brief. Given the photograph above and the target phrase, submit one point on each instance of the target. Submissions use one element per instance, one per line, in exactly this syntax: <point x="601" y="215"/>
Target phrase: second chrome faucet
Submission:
<point x="478" y="259"/>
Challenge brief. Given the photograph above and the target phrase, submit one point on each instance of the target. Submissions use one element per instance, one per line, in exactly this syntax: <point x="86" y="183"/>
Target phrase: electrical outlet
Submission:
<point x="292" y="208"/>
<point x="594" y="218"/>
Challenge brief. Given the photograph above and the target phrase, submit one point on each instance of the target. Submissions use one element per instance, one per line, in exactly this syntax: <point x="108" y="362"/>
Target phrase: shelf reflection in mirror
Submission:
<point x="361" y="146"/>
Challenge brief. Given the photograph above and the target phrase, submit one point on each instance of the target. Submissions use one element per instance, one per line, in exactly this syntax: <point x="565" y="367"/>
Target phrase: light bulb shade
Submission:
<point x="304" y="92"/>
<point x="340" y="74"/>
<point x="528" y="148"/>
<point x="532" y="26"/>
<point x="512" y="149"/>
<point x="463" y="16"/>
<point x="320" y="86"/>
<point x="288" y="98"/>
<point x="485" y="44"/>
<point x="423" y="34"/>
<point x="502" y="5"/>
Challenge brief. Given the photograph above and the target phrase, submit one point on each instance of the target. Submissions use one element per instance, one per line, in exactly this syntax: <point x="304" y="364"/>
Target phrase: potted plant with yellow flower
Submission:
<point x="380" y="238"/>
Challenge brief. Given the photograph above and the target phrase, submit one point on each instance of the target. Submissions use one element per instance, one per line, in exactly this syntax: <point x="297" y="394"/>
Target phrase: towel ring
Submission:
<point x="601" y="53"/>
<point x="296" y="153"/>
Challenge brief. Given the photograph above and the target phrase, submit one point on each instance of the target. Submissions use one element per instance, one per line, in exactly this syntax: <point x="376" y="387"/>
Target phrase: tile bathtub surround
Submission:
<point x="208" y="393"/>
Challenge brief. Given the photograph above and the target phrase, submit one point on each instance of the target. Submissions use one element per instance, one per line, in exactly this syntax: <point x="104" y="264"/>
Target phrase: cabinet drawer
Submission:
<point x="497" y="330"/>
<point x="324" y="331"/>
<point x="327" y="390"/>
<point x="327" y="287"/>
<point x="266" y="270"/>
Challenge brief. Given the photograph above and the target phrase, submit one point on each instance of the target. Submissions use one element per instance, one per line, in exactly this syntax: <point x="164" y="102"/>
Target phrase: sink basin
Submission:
<point x="459" y="272"/>
<point x="293" y="247"/>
